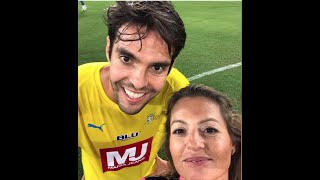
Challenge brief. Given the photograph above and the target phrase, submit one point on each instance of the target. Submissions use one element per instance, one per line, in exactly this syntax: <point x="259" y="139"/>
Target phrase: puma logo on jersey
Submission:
<point x="94" y="126"/>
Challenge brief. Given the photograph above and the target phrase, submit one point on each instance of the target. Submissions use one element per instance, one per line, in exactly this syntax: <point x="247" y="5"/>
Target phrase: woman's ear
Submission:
<point x="233" y="149"/>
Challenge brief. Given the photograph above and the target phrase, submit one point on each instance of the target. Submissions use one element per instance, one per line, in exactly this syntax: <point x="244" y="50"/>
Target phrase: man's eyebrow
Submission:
<point x="163" y="64"/>
<point x="125" y="52"/>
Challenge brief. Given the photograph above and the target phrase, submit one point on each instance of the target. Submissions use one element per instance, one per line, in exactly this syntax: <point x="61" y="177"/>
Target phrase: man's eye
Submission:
<point x="157" y="67"/>
<point x="157" y="70"/>
<point x="125" y="59"/>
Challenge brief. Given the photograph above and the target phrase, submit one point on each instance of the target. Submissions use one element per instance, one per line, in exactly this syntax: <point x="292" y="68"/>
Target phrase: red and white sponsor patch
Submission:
<point x="114" y="159"/>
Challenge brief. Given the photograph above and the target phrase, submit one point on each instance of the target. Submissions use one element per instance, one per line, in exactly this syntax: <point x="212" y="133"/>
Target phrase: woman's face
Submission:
<point x="200" y="145"/>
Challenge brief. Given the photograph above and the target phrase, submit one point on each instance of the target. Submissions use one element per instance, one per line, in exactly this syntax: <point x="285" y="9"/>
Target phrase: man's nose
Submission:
<point x="138" y="78"/>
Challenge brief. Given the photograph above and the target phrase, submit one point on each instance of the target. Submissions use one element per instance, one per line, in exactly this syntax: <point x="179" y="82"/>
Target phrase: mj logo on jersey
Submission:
<point x="114" y="159"/>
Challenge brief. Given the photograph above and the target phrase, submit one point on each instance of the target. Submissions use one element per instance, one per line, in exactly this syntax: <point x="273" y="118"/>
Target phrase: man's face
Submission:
<point x="138" y="69"/>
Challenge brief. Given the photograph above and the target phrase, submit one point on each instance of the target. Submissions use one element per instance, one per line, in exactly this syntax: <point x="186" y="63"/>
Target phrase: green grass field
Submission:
<point x="214" y="40"/>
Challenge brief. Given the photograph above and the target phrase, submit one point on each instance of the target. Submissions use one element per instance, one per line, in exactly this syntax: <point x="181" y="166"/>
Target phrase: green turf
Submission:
<point x="214" y="39"/>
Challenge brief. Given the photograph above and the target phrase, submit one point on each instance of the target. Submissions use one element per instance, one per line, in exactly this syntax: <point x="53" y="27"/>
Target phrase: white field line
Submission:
<point x="213" y="71"/>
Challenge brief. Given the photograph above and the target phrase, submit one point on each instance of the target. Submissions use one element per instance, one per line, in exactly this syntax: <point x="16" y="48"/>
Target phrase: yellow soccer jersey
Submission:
<point x="117" y="146"/>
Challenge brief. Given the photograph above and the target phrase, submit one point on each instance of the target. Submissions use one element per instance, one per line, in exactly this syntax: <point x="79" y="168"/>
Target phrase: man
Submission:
<point x="122" y="102"/>
<point x="83" y="5"/>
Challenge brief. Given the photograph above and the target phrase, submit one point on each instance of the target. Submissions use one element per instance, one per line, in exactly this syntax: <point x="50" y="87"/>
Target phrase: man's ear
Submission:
<point x="171" y="65"/>
<point x="174" y="61"/>
<point x="108" y="48"/>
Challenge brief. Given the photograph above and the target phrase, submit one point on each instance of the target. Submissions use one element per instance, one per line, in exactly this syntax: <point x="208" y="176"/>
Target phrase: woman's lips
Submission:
<point x="196" y="159"/>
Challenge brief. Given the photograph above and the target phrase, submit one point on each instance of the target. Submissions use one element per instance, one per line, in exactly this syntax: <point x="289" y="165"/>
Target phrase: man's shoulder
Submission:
<point x="91" y="65"/>
<point x="176" y="80"/>
<point x="87" y="68"/>
<point x="87" y="72"/>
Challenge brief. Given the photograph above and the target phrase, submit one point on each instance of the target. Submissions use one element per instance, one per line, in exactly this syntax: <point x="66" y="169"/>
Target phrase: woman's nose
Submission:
<point x="194" y="141"/>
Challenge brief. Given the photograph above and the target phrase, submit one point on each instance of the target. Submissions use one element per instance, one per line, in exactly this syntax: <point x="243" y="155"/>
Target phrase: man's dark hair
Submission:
<point x="160" y="16"/>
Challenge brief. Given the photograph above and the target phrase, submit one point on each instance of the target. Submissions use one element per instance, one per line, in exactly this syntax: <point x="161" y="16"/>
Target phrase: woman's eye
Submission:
<point x="178" y="131"/>
<point x="125" y="59"/>
<point x="210" y="130"/>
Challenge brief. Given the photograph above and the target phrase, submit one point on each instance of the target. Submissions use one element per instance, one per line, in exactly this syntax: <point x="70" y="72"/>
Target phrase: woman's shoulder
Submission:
<point x="162" y="178"/>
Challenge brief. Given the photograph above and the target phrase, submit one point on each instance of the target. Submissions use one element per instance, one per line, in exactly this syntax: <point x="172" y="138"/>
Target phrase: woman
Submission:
<point x="203" y="140"/>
